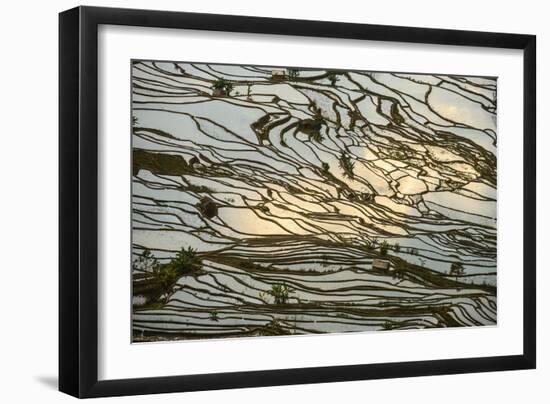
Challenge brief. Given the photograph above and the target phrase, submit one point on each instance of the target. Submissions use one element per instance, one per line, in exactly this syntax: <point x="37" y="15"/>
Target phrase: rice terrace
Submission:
<point x="271" y="201"/>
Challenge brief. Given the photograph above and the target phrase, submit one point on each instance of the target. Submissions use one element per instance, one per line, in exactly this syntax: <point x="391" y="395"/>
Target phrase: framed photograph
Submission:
<point x="251" y="201"/>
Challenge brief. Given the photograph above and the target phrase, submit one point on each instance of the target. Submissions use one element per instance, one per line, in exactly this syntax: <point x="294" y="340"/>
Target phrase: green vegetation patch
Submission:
<point x="159" y="163"/>
<point x="152" y="280"/>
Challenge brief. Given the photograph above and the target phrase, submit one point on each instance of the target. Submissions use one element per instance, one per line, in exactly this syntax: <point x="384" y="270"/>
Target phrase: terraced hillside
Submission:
<point x="272" y="201"/>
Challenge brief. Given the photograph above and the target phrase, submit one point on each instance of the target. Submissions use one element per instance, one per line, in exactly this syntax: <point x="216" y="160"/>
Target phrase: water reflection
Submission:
<point x="283" y="181"/>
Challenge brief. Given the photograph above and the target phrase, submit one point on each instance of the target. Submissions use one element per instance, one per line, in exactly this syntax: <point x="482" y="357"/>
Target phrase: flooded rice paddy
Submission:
<point x="274" y="201"/>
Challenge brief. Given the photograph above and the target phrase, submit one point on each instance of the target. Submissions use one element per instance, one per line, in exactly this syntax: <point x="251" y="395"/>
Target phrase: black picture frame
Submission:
<point x="78" y="201"/>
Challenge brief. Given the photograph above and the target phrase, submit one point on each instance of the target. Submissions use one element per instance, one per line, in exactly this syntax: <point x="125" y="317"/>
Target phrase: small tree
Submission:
<point x="167" y="276"/>
<point x="333" y="78"/>
<point x="369" y="245"/>
<point x="346" y="165"/>
<point x="186" y="261"/>
<point x="457" y="269"/>
<point x="279" y="292"/>
<point x="293" y="74"/>
<point x="318" y="118"/>
<point x="214" y="315"/>
<point x="313" y="127"/>
<point x="223" y="86"/>
<point x="384" y="247"/>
